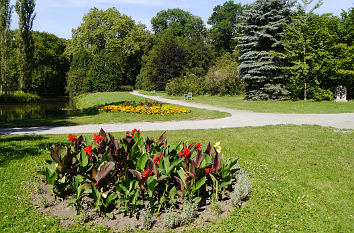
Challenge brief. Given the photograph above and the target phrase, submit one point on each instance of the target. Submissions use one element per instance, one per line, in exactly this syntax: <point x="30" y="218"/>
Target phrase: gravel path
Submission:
<point x="239" y="118"/>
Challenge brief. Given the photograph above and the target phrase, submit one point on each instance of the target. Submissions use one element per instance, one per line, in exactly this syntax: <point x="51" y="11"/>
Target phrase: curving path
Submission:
<point x="238" y="118"/>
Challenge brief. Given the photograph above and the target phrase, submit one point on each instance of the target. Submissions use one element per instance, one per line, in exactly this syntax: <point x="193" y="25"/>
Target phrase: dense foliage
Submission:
<point x="282" y="52"/>
<point x="106" y="51"/>
<point x="133" y="173"/>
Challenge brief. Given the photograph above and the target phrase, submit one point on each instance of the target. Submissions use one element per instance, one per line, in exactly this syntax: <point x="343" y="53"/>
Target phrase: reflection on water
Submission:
<point x="45" y="108"/>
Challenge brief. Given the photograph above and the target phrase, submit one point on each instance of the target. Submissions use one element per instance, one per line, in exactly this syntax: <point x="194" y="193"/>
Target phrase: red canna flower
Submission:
<point x="146" y="173"/>
<point x="97" y="138"/>
<point x="157" y="158"/>
<point x="88" y="150"/>
<point x="198" y="146"/>
<point x="187" y="176"/>
<point x="72" y="138"/>
<point x="135" y="130"/>
<point x="127" y="133"/>
<point x="209" y="170"/>
<point x="185" y="152"/>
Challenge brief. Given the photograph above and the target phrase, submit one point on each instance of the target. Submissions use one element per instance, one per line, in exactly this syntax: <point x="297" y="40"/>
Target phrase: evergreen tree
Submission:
<point x="26" y="15"/>
<point x="5" y="20"/>
<point x="259" y="45"/>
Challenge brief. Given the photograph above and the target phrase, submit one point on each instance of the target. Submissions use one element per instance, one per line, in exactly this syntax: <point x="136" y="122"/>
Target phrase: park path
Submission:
<point x="238" y="118"/>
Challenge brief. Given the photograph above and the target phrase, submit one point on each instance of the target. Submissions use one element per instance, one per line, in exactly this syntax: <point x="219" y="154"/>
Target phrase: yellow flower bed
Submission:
<point x="151" y="110"/>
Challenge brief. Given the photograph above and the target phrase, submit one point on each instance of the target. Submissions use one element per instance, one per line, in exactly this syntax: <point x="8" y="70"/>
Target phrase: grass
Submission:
<point x="300" y="106"/>
<point x="302" y="179"/>
<point x="89" y="115"/>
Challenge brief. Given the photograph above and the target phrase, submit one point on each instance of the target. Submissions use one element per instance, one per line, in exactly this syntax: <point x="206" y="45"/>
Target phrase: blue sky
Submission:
<point x="61" y="16"/>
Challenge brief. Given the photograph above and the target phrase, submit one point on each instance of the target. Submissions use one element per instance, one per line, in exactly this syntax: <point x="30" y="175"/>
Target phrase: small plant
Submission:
<point x="215" y="208"/>
<point x="172" y="219"/>
<point x="190" y="211"/>
<point x="146" y="218"/>
<point x="241" y="189"/>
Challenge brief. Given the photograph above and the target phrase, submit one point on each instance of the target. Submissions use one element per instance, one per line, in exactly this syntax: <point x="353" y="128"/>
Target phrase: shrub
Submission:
<point x="132" y="172"/>
<point x="241" y="189"/>
<point x="319" y="94"/>
<point x="147" y="219"/>
<point x="126" y="88"/>
<point x="19" y="97"/>
<point x="223" y="78"/>
<point x="184" y="84"/>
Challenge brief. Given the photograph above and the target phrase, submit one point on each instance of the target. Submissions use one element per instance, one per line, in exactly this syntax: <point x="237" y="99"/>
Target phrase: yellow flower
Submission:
<point x="217" y="147"/>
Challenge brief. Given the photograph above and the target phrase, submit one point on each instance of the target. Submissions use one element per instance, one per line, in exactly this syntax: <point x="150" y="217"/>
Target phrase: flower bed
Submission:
<point x="143" y="177"/>
<point x="151" y="108"/>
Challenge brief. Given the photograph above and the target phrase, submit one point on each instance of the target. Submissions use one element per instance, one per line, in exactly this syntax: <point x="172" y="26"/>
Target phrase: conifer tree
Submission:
<point x="26" y="15"/>
<point x="259" y="46"/>
<point x="5" y="20"/>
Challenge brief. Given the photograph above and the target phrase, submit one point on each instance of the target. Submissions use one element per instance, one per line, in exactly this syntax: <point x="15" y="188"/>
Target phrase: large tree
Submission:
<point x="114" y="43"/>
<point x="5" y="20"/>
<point x="26" y="15"/>
<point x="259" y="63"/>
<point x="49" y="64"/>
<point x="225" y="20"/>
<point x="178" y="22"/>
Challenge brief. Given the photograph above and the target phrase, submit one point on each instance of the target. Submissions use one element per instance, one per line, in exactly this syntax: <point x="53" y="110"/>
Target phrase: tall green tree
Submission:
<point x="259" y="45"/>
<point x="115" y="45"/>
<point x="225" y="20"/>
<point x="25" y="11"/>
<point x="298" y="45"/>
<point x="179" y="23"/>
<point x="50" y="65"/>
<point x="5" y="20"/>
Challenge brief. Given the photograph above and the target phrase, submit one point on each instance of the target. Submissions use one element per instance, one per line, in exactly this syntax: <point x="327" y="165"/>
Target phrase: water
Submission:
<point x="43" y="109"/>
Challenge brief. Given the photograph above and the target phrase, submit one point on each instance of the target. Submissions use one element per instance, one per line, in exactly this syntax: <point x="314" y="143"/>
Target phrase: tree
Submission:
<point x="259" y="45"/>
<point x="179" y="23"/>
<point x="5" y="20"/>
<point x="50" y="65"/>
<point x="297" y="43"/>
<point x="225" y="20"/>
<point x="25" y="11"/>
<point x="115" y="45"/>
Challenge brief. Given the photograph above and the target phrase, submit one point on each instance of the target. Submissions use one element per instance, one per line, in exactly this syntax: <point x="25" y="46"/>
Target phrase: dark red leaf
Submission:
<point x="198" y="159"/>
<point x="180" y="183"/>
<point x="136" y="173"/>
<point x="209" y="149"/>
<point x="217" y="163"/>
<point x="162" y="138"/>
<point x="104" y="171"/>
<point x="55" y="153"/>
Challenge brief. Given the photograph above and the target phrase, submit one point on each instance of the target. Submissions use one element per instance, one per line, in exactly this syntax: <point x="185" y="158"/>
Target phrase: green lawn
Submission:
<point x="89" y="115"/>
<point x="237" y="102"/>
<point x="302" y="179"/>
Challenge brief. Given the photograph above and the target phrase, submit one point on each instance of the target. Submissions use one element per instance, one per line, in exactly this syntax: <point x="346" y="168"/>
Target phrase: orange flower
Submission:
<point x="209" y="170"/>
<point x="97" y="138"/>
<point x="185" y="152"/>
<point x="72" y="138"/>
<point x="157" y="158"/>
<point x="146" y="173"/>
<point x="88" y="150"/>
<point x="198" y="146"/>
<point x="135" y="130"/>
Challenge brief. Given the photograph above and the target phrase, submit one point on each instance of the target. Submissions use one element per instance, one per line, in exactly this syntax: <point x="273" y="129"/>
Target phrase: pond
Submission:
<point x="48" y="107"/>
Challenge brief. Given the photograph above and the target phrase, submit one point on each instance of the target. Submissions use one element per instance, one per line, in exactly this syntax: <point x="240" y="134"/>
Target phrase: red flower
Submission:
<point x="157" y="158"/>
<point x="88" y="150"/>
<point x="209" y="170"/>
<point x="198" y="146"/>
<point x="185" y="152"/>
<point x="127" y="133"/>
<point x="135" y="130"/>
<point x="72" y="138"/>
<point x="97" y="138"/>
<point x="187" y="176"/>
<point x="146" y="173"/>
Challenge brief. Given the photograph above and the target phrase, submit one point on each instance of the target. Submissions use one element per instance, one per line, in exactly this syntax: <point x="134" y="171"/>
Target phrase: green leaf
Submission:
<point x="111" y="198"/>
<point x="197" y="199"/>
<point x="173" y="193"/>
<point x="166" y="162"/>
<point x="199" y="184"/>
<point x="110" y="215"/>
<point x="142" y="161"/>
<point x="173" y="165"/>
